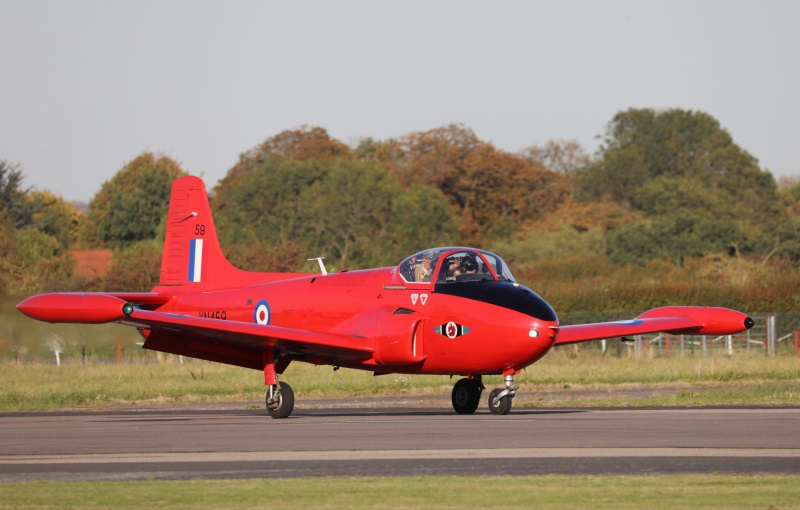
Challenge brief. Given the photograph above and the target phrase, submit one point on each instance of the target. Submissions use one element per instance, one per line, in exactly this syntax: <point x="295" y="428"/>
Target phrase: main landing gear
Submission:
<point x="467" y="395"/>
<point x="280" y="397"/>
<point x="280" y="400"/>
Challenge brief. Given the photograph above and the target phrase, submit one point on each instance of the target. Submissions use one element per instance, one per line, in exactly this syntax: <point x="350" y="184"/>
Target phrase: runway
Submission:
<point x="230" y="441"/>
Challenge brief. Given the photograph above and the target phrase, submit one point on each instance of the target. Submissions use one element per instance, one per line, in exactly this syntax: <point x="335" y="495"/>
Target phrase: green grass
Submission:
<point x="560" y="379"/>
<point x="540" y="492"/>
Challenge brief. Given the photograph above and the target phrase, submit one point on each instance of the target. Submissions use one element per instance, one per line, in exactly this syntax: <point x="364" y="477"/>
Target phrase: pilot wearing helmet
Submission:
<point x="454" y="267"/>
<point x="469" y="265"/>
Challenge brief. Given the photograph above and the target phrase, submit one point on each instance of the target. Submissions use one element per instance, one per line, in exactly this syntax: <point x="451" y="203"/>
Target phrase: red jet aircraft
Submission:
<point x="450" y="311"/>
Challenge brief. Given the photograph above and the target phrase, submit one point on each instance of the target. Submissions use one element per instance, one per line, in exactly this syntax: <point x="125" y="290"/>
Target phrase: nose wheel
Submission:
<point x="500" y="398"/>
<point x="467" y="394"/>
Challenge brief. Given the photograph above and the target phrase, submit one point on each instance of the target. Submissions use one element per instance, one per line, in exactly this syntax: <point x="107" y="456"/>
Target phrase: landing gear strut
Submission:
<point x="467" y="394"/>
<point x="500" y="398"/>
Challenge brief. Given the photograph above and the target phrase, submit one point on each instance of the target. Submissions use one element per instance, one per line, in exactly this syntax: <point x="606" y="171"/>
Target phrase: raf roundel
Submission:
<point x="261" y="314"/>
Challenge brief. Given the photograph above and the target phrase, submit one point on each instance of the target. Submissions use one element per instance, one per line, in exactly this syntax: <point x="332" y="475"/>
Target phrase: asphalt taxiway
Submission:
<point x="231" y="441"/>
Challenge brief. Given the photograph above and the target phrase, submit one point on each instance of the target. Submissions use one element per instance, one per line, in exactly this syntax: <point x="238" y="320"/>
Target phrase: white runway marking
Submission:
<point x="474" y="453"/>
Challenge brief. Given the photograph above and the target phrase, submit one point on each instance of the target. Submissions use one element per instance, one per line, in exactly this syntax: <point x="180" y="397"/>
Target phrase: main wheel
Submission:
<point x="466" y="396"/>
<point x="283" y="403"/>
<point x="502" y="406"/>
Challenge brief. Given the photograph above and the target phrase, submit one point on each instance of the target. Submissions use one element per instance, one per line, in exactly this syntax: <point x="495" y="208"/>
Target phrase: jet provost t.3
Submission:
<point x="450" y="310"/>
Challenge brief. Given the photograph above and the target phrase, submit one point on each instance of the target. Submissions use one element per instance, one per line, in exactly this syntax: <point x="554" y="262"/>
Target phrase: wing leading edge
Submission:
<point x="688" y="320"/>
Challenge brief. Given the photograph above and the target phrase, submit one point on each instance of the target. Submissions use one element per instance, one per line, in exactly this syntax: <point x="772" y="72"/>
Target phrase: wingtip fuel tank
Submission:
<point x="74" y="308"/>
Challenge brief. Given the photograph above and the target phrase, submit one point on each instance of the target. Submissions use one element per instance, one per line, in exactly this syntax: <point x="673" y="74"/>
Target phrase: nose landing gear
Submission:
<point x="500" y="398"/>
<point x="467" y="394"/>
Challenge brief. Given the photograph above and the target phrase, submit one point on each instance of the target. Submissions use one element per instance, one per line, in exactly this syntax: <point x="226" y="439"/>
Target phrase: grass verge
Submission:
<point x="560" y="379"/>
<point x="541" y="492"/>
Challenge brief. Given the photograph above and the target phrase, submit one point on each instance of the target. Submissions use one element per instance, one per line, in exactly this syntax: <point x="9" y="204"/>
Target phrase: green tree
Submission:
<point x="673" y="237"/>
<point x="264" y="206"/>
<point x="135" y="267"/>
<point x="643" y="144"/>
<point x="12" y="196"/>
<point x="700" y="190"/>
<point x="352" y="212"/>
<point x="42" y="264"/>
<point x="287" y="257"/>
<point x="9" y="265"/>
<point x="54" y="216"/>
<point x="347" y="211"/>
<point x="129" y="207"/>
<point x="420" y="218"/>
<point x="789" y="188"/>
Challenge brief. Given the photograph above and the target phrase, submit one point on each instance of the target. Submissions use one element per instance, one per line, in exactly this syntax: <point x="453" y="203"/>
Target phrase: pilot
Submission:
<point x="469" y="265"/>
<point x="454" y="267"/>
<point x="422" y="271"/>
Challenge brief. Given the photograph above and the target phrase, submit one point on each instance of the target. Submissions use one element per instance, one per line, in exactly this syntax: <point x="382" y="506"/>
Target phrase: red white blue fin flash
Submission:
<point x="195" y="260"/>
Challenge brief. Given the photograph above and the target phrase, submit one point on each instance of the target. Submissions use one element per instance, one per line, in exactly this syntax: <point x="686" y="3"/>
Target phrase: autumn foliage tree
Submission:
<point x="670" y="210"/>
<point x="563" y="156"/>
<point x="491" y="191"/>
<point x="302" y="144"/>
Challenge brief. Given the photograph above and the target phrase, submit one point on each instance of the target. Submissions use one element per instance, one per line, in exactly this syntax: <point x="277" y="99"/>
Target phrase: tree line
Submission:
<point x="668" y="210"/>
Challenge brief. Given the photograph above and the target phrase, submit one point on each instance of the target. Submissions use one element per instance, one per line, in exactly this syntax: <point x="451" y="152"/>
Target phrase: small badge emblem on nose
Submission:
<point x="452" y="330"/>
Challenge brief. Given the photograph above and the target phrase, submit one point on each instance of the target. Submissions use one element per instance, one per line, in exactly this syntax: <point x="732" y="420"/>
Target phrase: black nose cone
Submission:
<point x="748" y="322"/>
<point x="506" y="294"/>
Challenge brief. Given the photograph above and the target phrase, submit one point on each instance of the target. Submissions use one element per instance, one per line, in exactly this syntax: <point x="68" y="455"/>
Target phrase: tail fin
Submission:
<point x="192" y="255"/>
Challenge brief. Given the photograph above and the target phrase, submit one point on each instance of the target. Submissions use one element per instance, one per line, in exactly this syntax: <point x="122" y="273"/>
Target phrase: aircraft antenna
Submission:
<point x="321" y="265"/>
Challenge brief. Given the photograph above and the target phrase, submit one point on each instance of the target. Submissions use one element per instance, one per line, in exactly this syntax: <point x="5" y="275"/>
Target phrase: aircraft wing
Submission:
<point x="687" y="320"/>
<point x="252" y="337"/>
<point x="232" y="342"/>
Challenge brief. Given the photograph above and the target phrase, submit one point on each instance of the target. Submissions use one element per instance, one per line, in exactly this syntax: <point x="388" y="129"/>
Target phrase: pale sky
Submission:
<point x="88" y="85"/>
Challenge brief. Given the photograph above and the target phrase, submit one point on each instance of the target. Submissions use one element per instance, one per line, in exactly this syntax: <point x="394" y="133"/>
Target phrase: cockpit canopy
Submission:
<point x="454" y="265"/>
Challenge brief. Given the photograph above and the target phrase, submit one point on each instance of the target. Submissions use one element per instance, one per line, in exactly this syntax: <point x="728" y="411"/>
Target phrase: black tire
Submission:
<point x="503" y="406"/>
<point x="466" y="396"/>
<point x="285" y="403"/>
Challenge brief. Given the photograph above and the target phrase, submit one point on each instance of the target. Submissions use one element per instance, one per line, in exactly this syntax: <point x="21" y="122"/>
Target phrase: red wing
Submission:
<point x="600" y="330"/>
<point x="236" y="343"/>
<point x="243" y="343"/>
<point x="688" y="320"/>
